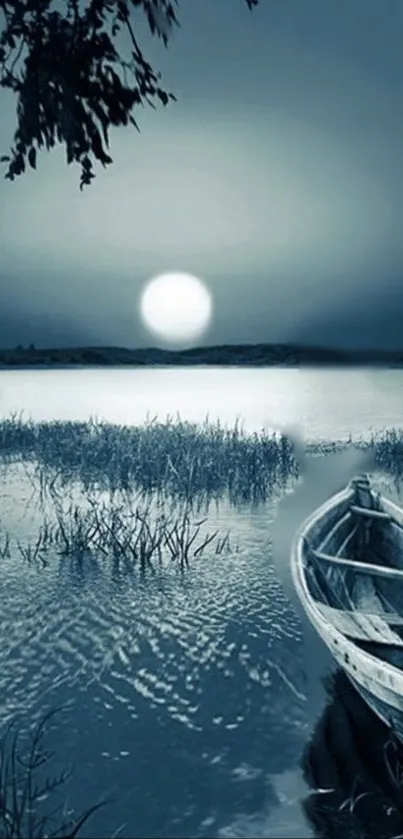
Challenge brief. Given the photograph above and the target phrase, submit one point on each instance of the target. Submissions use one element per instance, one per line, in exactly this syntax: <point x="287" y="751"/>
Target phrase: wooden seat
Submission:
<point x="369" y="513"/>
<point x="369" y="568"/>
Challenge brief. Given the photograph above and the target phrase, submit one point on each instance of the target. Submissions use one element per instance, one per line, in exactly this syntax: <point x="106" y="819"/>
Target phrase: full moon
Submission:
<point x="176" y="307"/>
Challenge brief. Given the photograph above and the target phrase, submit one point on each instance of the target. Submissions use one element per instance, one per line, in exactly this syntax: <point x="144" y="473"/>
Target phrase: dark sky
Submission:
<point x="277" y="178"/>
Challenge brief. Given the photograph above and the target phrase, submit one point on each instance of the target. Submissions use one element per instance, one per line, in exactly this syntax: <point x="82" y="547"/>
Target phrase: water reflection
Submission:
<point x="184" y="699"/>
<point x="354" y="769"/>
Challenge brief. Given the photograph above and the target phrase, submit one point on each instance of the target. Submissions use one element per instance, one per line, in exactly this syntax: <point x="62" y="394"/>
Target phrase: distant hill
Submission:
<point x="244" y="355"/>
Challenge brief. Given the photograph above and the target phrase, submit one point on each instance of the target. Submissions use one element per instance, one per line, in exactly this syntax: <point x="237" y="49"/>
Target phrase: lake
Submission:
<point x="322" y="403"/>
<point x="187" y="700"/>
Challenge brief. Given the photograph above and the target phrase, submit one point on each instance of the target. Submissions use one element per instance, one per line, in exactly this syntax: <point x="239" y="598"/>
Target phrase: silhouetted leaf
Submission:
<point x="162" y="96"/>
<point x="71" y="79"/>
<point x="32" y="157"/>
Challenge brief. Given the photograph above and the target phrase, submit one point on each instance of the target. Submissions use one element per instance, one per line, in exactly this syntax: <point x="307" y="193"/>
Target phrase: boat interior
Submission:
<point x="353" y="563"/>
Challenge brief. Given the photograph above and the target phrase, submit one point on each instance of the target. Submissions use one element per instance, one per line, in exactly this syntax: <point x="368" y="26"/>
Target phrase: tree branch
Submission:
<point x="74" y="84"/>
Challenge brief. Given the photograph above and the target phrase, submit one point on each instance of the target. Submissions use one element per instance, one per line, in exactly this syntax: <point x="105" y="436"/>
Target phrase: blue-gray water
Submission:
<point x="187" y="700"/>
<point x="323" y="403"/>
<point x="183" y="697"/>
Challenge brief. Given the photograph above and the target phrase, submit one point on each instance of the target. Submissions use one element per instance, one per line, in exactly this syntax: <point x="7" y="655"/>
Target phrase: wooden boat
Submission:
<point x="347" y="567"/>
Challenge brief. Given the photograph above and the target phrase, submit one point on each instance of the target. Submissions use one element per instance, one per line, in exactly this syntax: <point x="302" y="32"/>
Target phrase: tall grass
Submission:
<point x="172" y="458"/>
<point x="388" y="450"/>
<point x="131" y="531"/>
<point x="175" y="458"/>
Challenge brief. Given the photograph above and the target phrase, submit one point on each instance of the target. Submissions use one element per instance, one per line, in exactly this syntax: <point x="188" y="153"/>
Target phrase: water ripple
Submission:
<point x="141" y="672"/>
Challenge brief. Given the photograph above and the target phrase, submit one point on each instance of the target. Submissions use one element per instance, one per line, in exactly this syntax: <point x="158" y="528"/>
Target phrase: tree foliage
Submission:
<point x="70" y="79"/>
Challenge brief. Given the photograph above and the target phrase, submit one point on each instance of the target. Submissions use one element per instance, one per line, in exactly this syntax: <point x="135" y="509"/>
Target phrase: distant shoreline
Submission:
<point x="243" y="355"/>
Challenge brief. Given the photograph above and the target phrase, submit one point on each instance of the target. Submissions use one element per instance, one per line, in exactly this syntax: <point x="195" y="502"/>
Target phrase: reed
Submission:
<point x="176" y="458"/>
<point x="129" y="530"/>
<point x="388" y="451"/>
<point x="25" y="789"/>
<point x="172" y="458"/>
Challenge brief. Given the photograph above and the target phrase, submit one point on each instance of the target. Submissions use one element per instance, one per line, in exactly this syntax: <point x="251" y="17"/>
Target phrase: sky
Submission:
<point x="276" y="178"/>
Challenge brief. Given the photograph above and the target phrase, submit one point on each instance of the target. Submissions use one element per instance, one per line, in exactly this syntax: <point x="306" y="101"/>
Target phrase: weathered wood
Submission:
<point x="388" y="543"/>
<point x="365" y="595"/>
<point x="337" y="534"/>
<point x="360" y="567"/>
<point x="360" y="625"/>
<point x="367" y="512"/>
<point x="363" y="500"/>
<point x="394" y="511"/>
<point x="365" y="642"/>
<point x="363" y="495"/>
<point x="349" y="538"/>
<point x="320" y="528"/>
<point x="336" y="583"/>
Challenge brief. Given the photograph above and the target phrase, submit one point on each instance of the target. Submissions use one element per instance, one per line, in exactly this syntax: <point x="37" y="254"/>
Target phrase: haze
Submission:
<point x="276" y="178"/>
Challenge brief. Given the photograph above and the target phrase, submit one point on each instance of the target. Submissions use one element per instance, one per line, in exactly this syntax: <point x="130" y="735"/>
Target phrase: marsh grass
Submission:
<point x="172" y="458"/>
<point x="136" y="516"/>
<point x="388" y="450"/>
<point x="129" y="530"/>
<point x="139" y="495"/>
<point x="26" y="789"/>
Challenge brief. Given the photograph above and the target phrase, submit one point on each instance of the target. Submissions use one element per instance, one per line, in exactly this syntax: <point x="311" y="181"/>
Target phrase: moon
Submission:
<point x="176" y="307"/>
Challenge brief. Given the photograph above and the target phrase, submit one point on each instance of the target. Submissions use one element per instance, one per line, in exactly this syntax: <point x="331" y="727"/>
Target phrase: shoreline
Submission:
<point x="247" y="355"/>
<point x="203" y="365"/>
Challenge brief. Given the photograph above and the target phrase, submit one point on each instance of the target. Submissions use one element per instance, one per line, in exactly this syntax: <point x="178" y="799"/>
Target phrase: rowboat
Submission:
<point x="347" y="569"/>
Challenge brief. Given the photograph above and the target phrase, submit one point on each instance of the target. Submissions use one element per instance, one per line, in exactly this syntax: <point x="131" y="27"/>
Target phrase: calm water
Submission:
<point x="182" y="698"/>
<point x="322" y="403"/>
<point x="189" y="701"/>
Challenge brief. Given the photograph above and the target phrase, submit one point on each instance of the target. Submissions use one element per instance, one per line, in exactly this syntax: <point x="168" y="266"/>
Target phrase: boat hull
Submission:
<point x="375" y="683"/>
<point x="378" y="682"/>
<point x="391" y="716"/>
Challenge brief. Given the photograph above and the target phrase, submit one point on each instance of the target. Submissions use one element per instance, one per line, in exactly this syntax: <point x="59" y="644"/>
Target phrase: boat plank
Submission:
<point x="361" y="625"/>
<point x="388" y="542"/>
<point x="337" y="534"/>
<point x="366" y="597"/>
<point x="347" y="541"/>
